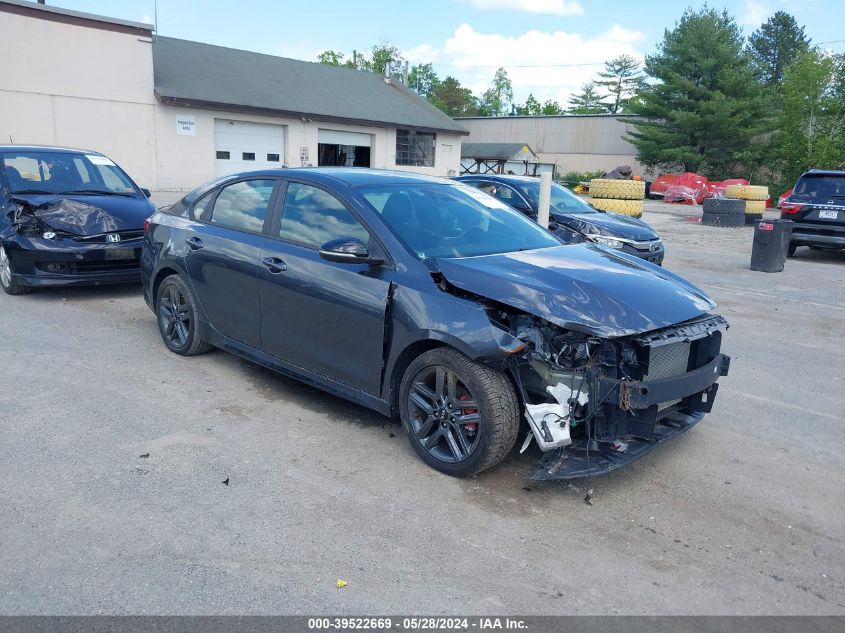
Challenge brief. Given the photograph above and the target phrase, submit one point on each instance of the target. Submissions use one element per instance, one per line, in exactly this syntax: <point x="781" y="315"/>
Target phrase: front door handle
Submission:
<point x="274" y="264"/>
<point x="195" y="243"/>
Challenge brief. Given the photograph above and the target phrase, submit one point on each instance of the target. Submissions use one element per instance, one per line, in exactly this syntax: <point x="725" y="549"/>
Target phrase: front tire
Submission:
<point x="462" y="417"/>
<point x="10" y="284"/>
<point x="178" y="318"/>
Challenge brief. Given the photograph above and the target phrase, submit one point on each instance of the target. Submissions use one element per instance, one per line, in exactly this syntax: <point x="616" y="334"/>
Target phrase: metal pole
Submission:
<point x="545" y="199"/>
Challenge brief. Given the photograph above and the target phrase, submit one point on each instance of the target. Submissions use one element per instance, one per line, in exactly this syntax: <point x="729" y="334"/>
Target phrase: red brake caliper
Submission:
<point x="471" y="427"/>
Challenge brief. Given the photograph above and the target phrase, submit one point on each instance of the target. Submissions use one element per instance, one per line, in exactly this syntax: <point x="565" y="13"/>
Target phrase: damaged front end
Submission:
<point x="62" y="241"/>
<point x="595" y="404"/>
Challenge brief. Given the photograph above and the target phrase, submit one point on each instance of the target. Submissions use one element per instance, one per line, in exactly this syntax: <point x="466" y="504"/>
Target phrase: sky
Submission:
<point x="549" y="48"/>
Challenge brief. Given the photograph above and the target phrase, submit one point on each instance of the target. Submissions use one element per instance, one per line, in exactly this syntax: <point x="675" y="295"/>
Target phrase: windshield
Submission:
<point x="820" y="188"/>
<point x="562" y="199"/>
<point x="438" y="220"/>
<point x="64" y="172"/>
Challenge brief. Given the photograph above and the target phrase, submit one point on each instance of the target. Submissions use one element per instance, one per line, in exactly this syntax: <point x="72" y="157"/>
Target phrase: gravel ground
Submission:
<point x="743" y="515"/>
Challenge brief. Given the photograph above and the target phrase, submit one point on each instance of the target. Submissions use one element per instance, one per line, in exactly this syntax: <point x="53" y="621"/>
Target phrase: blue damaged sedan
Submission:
<point x="427" y="300"/>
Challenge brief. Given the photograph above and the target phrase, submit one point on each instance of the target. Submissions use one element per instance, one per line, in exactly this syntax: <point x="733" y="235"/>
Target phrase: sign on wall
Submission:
<point x="186" y="124"/>
<point x="303" y="156"/>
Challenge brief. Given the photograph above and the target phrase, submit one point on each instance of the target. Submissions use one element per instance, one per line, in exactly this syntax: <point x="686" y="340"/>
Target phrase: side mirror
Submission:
<point x="347" y="250"/>
<point x="146" y="192"/>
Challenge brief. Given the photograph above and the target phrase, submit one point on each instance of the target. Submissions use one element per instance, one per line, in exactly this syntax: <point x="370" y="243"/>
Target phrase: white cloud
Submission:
<point x="551" y="7"/>
<point x="754" y="14"/>
<point x="422" y="54"/>
<point x="551" y="65"/>
<point x="146" y="19"/>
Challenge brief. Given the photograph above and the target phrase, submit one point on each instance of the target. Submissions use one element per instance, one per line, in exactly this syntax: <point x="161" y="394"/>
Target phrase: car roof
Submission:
<point x="333" y="176"/>
<point x="500" y="177"/>
<point x="350" y="176"/>
<point x="48" y="148"/>
<point x="823" y="172"/>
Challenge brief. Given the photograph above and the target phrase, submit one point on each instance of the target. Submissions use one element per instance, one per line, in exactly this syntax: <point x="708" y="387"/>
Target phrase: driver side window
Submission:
<point x="312" y="217"/>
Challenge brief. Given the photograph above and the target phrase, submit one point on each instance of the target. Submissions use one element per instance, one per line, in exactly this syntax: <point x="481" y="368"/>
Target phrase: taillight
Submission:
<point x="147" y="223"/>
<point x="790" y="207"/>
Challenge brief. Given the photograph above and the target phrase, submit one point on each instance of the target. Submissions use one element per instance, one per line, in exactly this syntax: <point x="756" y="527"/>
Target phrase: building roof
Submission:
<point x="202" y="75"/>
<point x="78" y="18"/>
<point x="498" y="151"/>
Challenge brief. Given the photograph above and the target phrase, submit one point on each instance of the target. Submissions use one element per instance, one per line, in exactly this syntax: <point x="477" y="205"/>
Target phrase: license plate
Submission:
<point x="120" y="253"/>
<point x="828" y="215"/>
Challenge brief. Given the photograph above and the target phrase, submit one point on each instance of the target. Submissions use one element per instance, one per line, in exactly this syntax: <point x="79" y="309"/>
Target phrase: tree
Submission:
<point x="704" y="109"/>
<point x="331" y="58"/>
<point x="621" y="79"/>
<point x="382" y="55"/>
<point x="453" y="99"/>
<point x="531" y="107"/>
<point x="587" y="102"/>
<point x="811" y="121"/>
<point x="775" y="45"/>
<point x="423" y="80"/>
<point x="551" y="108"/>
<point x="498" y="98"/>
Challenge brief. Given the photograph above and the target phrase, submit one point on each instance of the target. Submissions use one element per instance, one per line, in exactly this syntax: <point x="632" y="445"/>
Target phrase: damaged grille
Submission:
<point x="668" y="361"/>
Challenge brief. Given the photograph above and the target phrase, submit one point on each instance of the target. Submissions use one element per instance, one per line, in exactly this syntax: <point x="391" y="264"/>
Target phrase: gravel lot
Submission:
<point x="743" y="515"/>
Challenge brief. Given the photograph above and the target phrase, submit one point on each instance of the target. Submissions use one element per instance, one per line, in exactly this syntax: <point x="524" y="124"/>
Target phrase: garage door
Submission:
<point x="245" y="146"/>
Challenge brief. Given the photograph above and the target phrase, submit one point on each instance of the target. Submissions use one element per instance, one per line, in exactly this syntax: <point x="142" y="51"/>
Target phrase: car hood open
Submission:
<point x="87" y="215"/>
<point x="582" y="287"/>
<point x="616" y="225"/>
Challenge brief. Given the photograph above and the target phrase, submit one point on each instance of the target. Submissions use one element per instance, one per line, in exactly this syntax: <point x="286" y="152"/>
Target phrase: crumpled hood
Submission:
<point x="617" y="225"/>
<point x="582" y="287"/>
<point x="88" y="215"/>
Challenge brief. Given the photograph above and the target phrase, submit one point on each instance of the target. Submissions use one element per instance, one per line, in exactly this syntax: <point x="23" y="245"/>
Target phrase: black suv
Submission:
<point x="817" y="206"/>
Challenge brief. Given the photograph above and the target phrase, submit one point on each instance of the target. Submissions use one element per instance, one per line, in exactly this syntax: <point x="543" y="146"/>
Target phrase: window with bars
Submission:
<point x="415" y="148"/>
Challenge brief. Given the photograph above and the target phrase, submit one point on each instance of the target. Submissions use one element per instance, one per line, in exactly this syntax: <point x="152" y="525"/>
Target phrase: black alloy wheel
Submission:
<point x="177" y="318"/>
<point x="444" y="415"/>
<point x="461" y="416"/>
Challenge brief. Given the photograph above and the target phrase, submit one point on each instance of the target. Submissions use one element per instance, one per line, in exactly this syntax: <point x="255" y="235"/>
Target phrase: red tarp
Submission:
<point x="688" y="188"/>
<point x="658" y="187"/>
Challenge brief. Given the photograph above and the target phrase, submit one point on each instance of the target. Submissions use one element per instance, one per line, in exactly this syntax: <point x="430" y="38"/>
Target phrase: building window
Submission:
<point x="272" y="158"/>
<point x="222" y="155"/>
<point x="248" y="156"/>
<point x="415" y="148"/>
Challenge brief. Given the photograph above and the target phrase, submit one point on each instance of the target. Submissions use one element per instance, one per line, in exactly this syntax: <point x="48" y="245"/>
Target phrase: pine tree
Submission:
<point x="775" y="45"/>
<point x="621" y="79"/>
<point x="588" y="101"/>
<point x="704" y="109"/>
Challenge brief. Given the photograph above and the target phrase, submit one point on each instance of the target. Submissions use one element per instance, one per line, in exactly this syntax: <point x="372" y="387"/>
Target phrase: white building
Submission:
<point x="589" y="142"/>
<point x="175" y="113"/>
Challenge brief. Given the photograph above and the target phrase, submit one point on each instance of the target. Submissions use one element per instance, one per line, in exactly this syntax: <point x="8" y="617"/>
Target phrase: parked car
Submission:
<point x="424" y="299"/>
<point x="572" y="220"/>
<point x="817" y="206"/>
<point x="67" y="217"/>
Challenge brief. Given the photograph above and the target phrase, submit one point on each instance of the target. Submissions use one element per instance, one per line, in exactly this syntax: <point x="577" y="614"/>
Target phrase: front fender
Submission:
<point x="420" y="316"/>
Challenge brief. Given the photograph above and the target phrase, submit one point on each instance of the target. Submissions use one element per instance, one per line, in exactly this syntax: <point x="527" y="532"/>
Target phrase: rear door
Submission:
<point x="323" y="316"/>
<point x="224" y="251"/>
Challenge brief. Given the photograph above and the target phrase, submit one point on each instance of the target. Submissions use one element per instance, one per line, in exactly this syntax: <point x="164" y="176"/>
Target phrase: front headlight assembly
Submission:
<point x="606" y="241"/>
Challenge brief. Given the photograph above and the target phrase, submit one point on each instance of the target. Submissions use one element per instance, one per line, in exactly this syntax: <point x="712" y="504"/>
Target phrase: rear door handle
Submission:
<point x="195" y="243"/>
<point x="274" y="264"/>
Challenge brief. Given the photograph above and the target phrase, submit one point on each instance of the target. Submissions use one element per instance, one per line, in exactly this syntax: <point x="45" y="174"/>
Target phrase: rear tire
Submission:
<point x="178" y="318"/>
<point x="8" y="281"/>
<point x="462" y="417"/>
<point x="790" y="252"/>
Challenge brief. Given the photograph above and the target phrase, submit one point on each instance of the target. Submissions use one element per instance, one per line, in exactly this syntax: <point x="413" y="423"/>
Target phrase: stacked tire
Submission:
<point x="618" y="196"/>
<point x="755" y="198"/>
<point x="723" y="212"/>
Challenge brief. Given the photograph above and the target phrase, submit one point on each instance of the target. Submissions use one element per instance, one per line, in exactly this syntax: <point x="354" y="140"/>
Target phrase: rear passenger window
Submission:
<point x="312" y="217"/>
<point x="201" y="209"/>
<point x="243" y="205"/>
